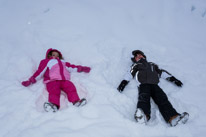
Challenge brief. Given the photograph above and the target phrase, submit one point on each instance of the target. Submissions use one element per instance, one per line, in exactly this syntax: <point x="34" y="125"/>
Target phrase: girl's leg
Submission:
<point x="54" y="92"/>
<point x="69" y="88"/>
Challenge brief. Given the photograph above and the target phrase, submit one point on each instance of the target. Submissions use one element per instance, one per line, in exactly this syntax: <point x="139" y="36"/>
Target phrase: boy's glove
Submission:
<point x="32" y="80"/>
<point x="175" y="81"/>
<point x="122" y="85"/>
<point x="83" y="69"/>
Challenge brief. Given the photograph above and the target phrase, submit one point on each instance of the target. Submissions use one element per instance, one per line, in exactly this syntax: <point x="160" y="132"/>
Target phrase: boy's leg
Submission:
<point x="144" y="99"/>
<point x="69" y="88"/>
<point x="54" y="92"/>
<point x="165" y="107"/>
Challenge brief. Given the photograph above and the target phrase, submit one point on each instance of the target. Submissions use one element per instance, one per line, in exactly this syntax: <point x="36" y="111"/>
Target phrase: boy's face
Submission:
<point x="138" y="57"/>
<point x="55" y="54"/>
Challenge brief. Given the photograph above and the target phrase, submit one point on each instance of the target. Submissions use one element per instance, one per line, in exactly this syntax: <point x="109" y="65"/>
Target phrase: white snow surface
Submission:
<point x="102" y="34"/>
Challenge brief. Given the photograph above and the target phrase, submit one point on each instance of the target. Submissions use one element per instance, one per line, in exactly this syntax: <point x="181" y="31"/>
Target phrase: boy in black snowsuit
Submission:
<point x="148" y="74"/>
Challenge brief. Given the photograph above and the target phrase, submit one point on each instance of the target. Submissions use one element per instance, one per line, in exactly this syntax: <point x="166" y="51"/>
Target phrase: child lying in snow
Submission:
<point x="57" y="78"/>
<point x="148" y="74"/>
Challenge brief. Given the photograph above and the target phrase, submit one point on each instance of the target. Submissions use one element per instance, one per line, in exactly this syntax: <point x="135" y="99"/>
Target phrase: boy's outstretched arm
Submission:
<point x="166" y="75"/>
<point x="175" y="81"/>
<point x="127" y="77"/>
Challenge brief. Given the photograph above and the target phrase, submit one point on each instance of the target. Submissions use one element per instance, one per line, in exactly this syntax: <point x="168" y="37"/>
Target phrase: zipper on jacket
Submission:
<point x="152" y="68"/>
<point x="61" y="69"/>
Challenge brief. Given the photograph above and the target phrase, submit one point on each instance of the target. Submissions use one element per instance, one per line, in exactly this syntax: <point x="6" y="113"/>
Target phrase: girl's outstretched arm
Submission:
<point x="32" y="79"/>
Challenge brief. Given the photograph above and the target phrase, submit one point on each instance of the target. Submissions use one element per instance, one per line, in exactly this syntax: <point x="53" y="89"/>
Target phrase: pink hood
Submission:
<point x="49" y="50"/>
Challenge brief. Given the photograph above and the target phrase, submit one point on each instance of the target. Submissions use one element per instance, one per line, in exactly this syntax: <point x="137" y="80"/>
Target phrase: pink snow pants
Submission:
<point x="54" y="88"/>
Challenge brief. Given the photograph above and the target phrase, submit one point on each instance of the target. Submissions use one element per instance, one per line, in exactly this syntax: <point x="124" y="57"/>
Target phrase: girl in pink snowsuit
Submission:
<point x="57" y="78"/>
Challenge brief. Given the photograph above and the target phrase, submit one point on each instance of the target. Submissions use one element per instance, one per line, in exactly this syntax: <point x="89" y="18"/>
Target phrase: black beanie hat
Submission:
<point x="135" y="52"/>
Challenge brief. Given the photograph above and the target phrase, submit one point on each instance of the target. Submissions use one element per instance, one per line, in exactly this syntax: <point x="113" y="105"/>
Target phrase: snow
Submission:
<point x="101" y="34"/>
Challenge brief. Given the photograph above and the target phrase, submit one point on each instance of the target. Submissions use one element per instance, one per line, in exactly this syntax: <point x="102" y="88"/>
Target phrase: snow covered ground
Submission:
<point x="101" y="34"/>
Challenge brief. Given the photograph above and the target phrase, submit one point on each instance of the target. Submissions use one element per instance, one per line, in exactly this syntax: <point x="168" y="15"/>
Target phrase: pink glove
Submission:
<point x="86" y="69"/>
<point x="83" y="69"/>
<point x="79" y="68"/>
<point x="32" y="80"/>
<point x="26" y="83"/>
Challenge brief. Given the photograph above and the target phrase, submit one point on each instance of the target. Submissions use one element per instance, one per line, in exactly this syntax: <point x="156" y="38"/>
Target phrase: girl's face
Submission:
<point x="55" y="54"/>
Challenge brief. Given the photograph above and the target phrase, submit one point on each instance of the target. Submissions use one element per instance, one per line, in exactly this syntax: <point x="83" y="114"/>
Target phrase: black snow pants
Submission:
<point x="160" y="98"/>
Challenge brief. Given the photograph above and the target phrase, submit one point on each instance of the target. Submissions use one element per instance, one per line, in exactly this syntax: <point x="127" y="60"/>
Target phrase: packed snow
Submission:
<point x="101" y="34"/>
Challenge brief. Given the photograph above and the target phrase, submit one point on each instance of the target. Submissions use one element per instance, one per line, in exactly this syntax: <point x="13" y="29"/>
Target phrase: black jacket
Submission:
<point x="146" y="72"/>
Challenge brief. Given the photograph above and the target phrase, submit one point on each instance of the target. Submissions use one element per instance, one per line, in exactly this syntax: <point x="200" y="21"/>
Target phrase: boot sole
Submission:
<point x="49" y="108"/>
<point x="184" y="117"/>
<point x="141" y="119"/>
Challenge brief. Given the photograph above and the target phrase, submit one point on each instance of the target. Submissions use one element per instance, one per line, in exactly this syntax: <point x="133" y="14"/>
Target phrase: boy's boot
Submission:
<point x="140" y="117"/>
<point x="80" y="103"/>
<point x="50" y="107"/>
<point x="182" y="118"/>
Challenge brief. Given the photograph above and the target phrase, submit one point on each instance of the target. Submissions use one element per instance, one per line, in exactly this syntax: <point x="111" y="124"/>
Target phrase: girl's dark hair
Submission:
<point x="50" y="54"/>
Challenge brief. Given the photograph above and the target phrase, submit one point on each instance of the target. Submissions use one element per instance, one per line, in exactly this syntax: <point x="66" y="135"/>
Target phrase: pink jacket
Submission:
<point x="55" y="69"/>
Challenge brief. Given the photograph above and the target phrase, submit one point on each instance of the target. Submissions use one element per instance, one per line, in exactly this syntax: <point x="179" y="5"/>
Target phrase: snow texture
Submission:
<point x="101" y="34"/>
